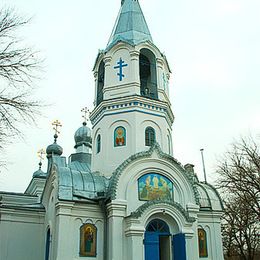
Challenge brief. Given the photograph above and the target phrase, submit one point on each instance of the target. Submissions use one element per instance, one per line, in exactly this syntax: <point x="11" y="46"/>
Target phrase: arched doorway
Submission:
<point x="161" y="245"/>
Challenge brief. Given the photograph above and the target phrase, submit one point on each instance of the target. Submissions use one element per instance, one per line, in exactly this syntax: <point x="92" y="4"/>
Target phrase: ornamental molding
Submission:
<point x="113" y="183"/>
<point x="130" y="104"/>
<point x="142" y="209"/>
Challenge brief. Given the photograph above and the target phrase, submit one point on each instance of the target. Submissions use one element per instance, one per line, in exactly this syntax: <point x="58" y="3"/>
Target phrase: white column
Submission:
<point x="217" y="248"/>
<point x="135" y="65"/>
<point x="116" y="213"/>
<point x="107" y="80"/>
<point x="96" y="87"/>
<point x="134" y="240"/>
<point x="192" y="248"/>
<point x="63" y="248"/>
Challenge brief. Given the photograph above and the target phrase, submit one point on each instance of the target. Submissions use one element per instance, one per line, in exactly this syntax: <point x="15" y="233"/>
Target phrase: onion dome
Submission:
<point x="39" y="173"/>
<point x="54" y="149"/>
<point x="83" y="136"/>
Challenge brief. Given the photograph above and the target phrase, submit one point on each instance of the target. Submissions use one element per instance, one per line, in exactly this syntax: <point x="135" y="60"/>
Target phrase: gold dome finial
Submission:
<point x="41" y="154"/>
<point x="85" y="114"/>
<point x="56" y="124"/>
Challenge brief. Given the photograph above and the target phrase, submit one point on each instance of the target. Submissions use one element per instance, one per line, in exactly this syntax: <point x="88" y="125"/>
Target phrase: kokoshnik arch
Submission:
<point x="122" y="194"/>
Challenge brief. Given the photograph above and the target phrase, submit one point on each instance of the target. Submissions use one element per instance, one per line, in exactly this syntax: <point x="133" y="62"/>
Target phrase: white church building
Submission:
<point x="122" y="195"/>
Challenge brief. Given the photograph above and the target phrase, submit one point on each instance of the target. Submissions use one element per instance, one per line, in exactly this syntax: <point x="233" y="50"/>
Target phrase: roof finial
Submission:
<point x="56" y="124"/>
<point x="85" y="114"/>
<point x="41" y="154"/>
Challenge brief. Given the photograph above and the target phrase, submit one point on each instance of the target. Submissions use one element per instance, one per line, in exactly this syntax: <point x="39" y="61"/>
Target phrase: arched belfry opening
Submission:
<point x="148" y="75"/>
<point x="101" y="82"/>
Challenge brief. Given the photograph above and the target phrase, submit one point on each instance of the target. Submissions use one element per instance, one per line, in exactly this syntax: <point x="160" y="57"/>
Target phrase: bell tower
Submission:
<point x="132" y="107"/>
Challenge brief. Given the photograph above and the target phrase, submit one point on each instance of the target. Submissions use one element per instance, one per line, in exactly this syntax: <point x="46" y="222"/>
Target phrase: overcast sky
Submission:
<point x="212" y="47"/>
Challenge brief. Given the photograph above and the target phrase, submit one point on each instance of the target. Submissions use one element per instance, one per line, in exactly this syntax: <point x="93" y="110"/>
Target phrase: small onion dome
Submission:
<point x="39" y="173"/>
<point x="83" y="136"/>
<point x="54" y="149"/>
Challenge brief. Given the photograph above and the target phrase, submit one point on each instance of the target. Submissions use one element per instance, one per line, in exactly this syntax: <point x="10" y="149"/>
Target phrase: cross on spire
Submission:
<point x="85" y="114"/>
<point x="56" y="124"/>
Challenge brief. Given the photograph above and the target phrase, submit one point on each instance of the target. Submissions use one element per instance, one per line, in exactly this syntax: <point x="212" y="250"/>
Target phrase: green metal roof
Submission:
<point x="130" y="25"/>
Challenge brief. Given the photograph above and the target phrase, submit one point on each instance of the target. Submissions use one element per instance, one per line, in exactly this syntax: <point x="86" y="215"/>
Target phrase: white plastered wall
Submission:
<point x="135" y="123"/>
<point x="211" y="223"/>
<point x="21" y="234"/>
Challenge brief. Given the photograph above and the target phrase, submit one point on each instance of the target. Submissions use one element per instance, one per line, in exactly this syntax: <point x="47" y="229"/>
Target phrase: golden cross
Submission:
<point x="56" y="125"/>
<point x="41" y="153"/>
<point x="85" y="112"/>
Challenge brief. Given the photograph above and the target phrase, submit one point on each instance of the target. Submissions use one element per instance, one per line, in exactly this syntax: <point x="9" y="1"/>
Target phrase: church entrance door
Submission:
<point x="160" y="245"/>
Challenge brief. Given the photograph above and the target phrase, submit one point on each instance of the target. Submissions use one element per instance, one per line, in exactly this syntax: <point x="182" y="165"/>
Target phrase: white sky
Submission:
<point x="212" y="46"/>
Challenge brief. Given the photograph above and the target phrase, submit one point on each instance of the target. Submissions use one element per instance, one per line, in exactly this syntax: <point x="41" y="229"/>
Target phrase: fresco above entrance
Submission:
<point x="153" y="186"/>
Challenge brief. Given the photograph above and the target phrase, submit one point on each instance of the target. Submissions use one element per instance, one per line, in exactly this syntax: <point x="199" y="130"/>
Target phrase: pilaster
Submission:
<point x="192" y="240"/>
<point x="116" y="211"/>
<point x="134" y="240"/>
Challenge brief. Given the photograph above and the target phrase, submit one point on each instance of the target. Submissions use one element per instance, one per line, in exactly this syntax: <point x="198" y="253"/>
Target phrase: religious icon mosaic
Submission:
<point x="154" y="186"/>
<point x="88" y="240"/>
<point x="202" y="240"/>
<point x="120" y="136"/>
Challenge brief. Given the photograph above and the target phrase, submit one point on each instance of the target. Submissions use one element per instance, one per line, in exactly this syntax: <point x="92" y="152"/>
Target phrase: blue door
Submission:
<point x="179" y="247"/>
<point x="154" y="230"/>
<point x="151" y="246"/>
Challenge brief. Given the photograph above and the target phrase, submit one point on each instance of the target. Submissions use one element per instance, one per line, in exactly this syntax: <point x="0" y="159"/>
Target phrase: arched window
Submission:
<point x="98" y="143"/>
<point x="157" y="225"/>
<point x="47" y="245"/>
<point x="149" y="136"/>
<point x="88" y="240"/>
<point x="101" y="82"/>
<point x="147" y="70"/>
<point x="202" y="240"/>
<point x="119" y="136"/>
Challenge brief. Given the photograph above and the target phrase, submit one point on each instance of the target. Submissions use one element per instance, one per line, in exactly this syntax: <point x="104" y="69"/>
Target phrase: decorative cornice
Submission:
<point x="113" y="183"/>
<point x="157" y="107"/>
<point x="139" y="212"/>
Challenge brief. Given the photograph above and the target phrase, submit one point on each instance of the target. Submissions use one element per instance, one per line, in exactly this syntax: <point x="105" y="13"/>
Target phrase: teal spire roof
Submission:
<point x="130" y="25"/>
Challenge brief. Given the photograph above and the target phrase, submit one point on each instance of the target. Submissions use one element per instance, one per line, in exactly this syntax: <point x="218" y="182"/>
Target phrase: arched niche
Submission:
<point x="101" y="82"/>
<point x="148" y="75"/>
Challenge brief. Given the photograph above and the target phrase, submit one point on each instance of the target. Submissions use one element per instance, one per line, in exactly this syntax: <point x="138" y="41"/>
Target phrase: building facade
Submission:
<point x="122" y="194"/>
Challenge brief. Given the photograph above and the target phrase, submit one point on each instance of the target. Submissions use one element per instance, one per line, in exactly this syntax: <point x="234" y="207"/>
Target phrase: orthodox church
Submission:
<point x="122" y="195"/>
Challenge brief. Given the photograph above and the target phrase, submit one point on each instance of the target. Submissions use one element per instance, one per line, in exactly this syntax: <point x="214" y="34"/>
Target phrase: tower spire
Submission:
<point x="130" y="25"/>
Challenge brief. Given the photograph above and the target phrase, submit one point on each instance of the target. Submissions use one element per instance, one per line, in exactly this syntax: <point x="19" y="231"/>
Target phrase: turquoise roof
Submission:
<point x="76" y="182"/>
<point x="130" y="25"/>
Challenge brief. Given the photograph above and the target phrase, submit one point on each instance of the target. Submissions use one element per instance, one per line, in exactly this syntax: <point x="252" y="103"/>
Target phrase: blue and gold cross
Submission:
<point x="120" y="67"/>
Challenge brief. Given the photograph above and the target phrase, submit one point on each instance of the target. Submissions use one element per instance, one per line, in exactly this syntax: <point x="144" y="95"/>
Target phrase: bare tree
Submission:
<point x="18" y="71"/>
<point x="239" y="182"/>
<point x="240" y="230"/>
